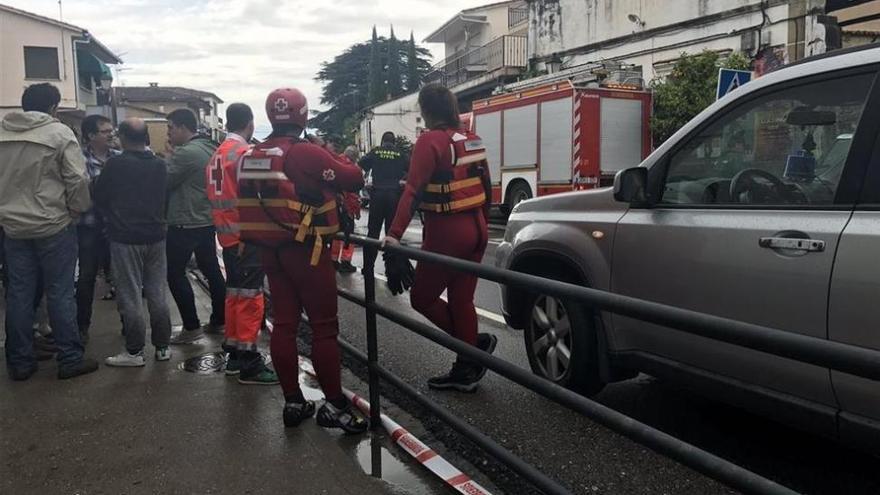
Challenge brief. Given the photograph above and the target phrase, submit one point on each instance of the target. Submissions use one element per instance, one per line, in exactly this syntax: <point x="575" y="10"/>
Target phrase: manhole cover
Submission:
<point x="205" y="364"/>
<point x="214" y="362"/>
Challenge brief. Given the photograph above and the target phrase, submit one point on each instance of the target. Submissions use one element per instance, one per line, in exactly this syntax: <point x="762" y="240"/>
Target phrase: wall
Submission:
<point x="400" y="116"/>
<point x="482" y="34"/>
<point x="561" y="25"/>
<point x="16" y="32"/>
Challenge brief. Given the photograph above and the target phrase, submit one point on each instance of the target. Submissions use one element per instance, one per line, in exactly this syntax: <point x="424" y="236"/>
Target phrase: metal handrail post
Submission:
<point x="372" y="349"/>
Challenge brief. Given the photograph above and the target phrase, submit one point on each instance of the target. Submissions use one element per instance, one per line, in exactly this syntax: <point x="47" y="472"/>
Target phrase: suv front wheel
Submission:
<point x="561" y="344"/>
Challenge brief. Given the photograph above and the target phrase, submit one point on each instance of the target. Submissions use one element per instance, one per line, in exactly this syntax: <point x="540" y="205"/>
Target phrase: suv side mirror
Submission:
<point x="630" y="186"/>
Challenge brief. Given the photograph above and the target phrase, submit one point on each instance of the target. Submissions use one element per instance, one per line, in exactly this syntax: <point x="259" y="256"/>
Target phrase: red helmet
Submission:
<point x="287" y="106"/>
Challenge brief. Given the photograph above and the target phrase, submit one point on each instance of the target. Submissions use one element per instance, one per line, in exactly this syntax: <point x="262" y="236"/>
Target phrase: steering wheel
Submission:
<point x="750" y="181"/>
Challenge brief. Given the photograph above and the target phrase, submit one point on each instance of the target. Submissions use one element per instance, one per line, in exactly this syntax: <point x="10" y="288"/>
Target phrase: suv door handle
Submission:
<point x="793" y="244"/>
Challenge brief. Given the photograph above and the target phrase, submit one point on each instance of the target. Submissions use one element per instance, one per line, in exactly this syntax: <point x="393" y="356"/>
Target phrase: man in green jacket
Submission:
<point x="43" y="190"/>
<point x="191" y="227"/>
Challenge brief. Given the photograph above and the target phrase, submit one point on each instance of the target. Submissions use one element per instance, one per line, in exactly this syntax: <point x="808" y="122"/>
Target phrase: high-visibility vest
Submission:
<point x="222" y="188"/>
<point x="463" y="187"/>
<point x="272" y="212"/>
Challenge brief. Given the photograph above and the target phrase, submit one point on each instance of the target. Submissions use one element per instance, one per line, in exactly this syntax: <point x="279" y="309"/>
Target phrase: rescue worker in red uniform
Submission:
<point x="287" y="205"/>
<point x="340" y="252"/>
<point x="449" y="182"/>
<point x="244" y="307"/>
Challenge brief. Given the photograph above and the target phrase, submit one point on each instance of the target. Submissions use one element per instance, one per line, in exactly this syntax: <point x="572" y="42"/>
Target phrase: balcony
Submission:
<point x="517" y="16"/>
<point x="507" y="53"/>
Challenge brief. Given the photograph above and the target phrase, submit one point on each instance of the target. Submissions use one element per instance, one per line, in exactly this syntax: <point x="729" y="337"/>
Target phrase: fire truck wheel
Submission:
<point x="561" y="344"/>
<point x="517" y="192"/>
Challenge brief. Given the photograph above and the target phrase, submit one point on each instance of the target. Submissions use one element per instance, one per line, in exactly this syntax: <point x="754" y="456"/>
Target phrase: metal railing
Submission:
<point x="504" y="52"/>
<point x="516" y="16"/>
<point x="842" y="357"/>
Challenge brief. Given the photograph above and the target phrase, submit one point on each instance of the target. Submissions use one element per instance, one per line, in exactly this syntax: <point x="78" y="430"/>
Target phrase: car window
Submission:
<point x="788" y="147"/>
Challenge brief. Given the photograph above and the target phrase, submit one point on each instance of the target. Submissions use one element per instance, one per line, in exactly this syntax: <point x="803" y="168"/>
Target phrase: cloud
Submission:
<point x="241" y="49"/>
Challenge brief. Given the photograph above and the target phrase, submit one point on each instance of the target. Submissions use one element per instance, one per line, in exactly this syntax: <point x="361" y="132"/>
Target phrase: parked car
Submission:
<point x="711" y="221"/>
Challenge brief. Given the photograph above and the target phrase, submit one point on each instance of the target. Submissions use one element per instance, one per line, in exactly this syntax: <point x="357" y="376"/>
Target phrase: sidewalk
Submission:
<point x="160" y="429"/>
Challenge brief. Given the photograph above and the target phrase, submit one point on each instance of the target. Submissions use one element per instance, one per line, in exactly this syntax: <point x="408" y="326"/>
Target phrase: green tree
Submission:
<point x="377" y="89"/>
<point x="345" y="93"/>
<point x="413" y="78"/>
<point x="690" y="88"/>
<point x="395" y="86"/>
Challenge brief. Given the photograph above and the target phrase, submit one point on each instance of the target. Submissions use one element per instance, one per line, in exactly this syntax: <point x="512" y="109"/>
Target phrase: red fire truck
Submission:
<point x="560" y="137"/>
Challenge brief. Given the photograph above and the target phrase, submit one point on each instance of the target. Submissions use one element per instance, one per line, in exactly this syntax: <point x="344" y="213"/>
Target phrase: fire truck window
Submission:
<point x="788" y="147"/>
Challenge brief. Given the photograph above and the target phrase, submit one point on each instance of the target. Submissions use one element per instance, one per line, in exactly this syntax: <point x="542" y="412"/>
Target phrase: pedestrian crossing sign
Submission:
<point x="729" y="79"/>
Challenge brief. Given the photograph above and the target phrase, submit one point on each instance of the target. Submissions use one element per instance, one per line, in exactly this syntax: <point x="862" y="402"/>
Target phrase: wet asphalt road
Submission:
<point x="584" y="456"/>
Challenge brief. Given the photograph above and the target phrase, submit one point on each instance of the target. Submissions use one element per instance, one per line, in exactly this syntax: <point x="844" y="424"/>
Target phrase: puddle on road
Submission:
<point x="380" y="457"/>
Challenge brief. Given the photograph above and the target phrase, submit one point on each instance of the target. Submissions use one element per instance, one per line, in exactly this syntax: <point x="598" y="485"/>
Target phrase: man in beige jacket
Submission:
<point x="43" y="189"/>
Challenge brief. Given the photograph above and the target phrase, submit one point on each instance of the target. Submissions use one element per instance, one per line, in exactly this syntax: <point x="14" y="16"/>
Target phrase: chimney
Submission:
<point x="154" y="85"/>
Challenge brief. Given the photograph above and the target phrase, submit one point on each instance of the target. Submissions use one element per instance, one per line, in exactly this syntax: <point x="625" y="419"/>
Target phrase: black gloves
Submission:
<point x="399" y="271"/>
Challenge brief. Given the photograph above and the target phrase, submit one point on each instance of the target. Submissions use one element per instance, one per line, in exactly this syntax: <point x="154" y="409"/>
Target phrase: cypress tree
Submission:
<point x="376" y="88"/>
<point x="395" y="87"/>
<point x="413" y="81"/>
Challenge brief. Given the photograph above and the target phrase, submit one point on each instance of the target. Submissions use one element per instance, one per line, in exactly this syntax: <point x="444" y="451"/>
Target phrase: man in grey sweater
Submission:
<point x="43" y="190"/>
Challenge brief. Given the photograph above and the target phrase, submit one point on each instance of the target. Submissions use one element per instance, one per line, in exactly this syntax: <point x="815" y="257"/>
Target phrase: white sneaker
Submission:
<point x="163" y="354"/>
<point x="126" y="360"/>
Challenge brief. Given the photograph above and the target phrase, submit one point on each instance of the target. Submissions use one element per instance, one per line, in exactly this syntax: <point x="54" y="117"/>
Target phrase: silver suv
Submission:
<point x="764" y="208"/>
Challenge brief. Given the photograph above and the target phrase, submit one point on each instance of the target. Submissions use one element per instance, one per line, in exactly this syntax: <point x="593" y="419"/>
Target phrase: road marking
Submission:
<point x="480" y="311"/>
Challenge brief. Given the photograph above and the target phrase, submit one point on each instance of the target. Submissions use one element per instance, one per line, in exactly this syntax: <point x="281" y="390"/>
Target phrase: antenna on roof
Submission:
<point x="60" y="12"/>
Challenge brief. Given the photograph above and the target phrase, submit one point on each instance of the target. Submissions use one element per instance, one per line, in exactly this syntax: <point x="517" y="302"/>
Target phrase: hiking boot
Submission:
<point x="233" y="364"/>
<point x="83" y="367"/>
<point x="350" y="420"/>
<point x="186" y="337"/>
<point x="295" y="413"/>
<point x="465" y="375"/>
<point x="21" y="375"/>
<point x="126" y="360"/>
<point x="346" y="267"/>
<point x="163" y="354"/>
<point x="264" y="377"/>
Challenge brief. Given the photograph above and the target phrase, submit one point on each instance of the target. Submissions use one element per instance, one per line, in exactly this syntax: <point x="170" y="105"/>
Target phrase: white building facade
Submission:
<point x="651" y="35"/>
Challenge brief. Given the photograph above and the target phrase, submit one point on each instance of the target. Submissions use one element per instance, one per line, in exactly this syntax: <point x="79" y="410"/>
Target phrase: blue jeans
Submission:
<point x="54" y="257"/>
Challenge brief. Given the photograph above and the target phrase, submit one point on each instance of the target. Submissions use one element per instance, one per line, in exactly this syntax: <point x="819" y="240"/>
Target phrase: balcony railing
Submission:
<point x="517" y="16"/>
<point x="504" y="52"/>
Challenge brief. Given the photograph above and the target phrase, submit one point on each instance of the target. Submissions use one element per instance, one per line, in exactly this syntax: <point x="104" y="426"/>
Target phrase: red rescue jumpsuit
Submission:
<point x="352" y="205"/>
<point x="296" y="285"/>
<point x="244" y="305"/>
<point x="462" y="235"/>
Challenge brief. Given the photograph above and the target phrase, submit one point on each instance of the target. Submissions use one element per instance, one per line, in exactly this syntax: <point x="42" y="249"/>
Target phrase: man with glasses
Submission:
<point x="94" y="249"/>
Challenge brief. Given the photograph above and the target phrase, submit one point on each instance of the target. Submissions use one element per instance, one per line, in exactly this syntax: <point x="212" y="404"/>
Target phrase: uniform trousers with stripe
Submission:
<point x="297" y="285"/>
<point x="244" y="306"/>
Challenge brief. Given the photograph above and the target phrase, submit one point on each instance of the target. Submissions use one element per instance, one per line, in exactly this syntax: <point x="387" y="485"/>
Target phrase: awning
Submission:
<point x="89" y="66"/>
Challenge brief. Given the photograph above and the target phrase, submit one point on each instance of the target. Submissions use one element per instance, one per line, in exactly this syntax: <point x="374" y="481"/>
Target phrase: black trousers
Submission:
<point x="94" y="253"/>
<point x="383" y="206"/>
<point x="180" y="246"/>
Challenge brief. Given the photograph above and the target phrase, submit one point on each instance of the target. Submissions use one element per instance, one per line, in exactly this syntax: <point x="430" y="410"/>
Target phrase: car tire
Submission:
<point x="519" y="191"/>
<point x="561" y="344"/>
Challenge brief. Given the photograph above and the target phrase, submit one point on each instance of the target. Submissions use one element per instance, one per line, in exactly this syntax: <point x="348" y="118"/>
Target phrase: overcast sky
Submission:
<point x="241" y="49"/>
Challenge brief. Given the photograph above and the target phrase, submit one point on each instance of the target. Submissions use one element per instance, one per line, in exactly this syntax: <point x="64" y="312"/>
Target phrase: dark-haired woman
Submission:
<point x="449" y="182"/>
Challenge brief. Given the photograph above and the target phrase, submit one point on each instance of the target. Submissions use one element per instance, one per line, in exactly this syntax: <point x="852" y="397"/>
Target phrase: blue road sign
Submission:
<point x="729" y="79"/>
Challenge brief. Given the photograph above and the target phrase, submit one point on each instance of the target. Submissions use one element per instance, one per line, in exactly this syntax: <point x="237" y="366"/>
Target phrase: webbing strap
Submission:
<point x="454" y="205"/>
<point x="454" y="185"/>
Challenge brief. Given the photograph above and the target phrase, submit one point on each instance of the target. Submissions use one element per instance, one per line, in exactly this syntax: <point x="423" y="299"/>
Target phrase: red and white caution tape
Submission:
<point x="459" y="481"/>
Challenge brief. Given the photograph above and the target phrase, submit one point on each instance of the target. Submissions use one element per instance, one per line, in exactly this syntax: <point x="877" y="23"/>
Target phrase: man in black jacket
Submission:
<point x="388" y="166"/>
<point x="130" y="194"/>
